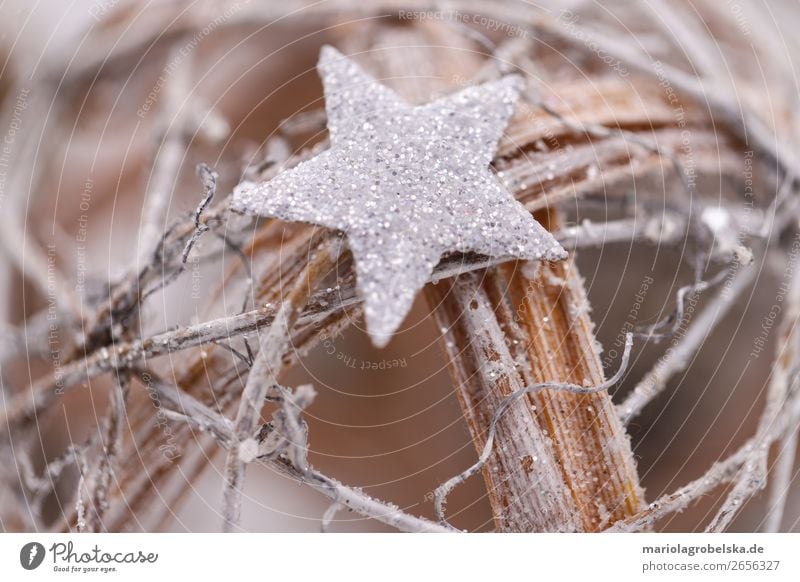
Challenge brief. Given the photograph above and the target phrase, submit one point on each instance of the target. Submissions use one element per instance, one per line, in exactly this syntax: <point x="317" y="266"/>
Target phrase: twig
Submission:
<point x="264" y="373"/>
<point x="111" y="443"/>
<point x="80" y="505"/>
<point x="670" y="228"/>
<point x="782" y="210"/>
<point x="720" y="473"/>
<point x="222" y="429"/>
<point x="676" y="318"/>
<point x="40" y="487"/>
<point x="125" y="297"/>
<point x="701" y="53"/>
<point x="292" y="426"/>
<point x="685" y="346"/>
<point x="174" y="117"/>
<point x="330" y="513"/>
<point x="782" y="392"/>
<point x="208" y="179"/>
<point x="37" y="265"/>
<point x="743" y="122"/>
<point x="237" y="250"/>
<point x="43" y="392"/>
<point x="783" y="472"/>
<point x="601" y="131"/>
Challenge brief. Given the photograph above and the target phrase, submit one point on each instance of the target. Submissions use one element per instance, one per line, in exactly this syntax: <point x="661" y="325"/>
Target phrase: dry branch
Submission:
<point x="273" y="344"/>
<point x="222" y="429"/>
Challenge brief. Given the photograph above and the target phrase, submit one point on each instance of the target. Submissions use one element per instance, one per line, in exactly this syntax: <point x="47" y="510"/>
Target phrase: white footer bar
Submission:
<point x="382" y="557"/>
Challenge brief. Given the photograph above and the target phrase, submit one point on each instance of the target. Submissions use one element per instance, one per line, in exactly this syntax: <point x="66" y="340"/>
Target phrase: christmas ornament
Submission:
<point x="406" y="184"/>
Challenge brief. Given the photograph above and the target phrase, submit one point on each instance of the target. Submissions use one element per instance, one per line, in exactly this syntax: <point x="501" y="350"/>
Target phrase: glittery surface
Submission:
<point x="406" y="184"/>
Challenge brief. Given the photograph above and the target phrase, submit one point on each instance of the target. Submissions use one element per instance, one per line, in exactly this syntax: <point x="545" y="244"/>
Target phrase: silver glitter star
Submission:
<point x="406" y="184"/>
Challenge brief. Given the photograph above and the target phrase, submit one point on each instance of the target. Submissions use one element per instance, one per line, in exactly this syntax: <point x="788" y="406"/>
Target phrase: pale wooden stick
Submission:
<point x="264" y="374"/>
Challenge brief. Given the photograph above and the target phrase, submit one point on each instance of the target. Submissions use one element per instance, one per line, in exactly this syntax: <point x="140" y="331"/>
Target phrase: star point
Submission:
<point x="406" y="184"/>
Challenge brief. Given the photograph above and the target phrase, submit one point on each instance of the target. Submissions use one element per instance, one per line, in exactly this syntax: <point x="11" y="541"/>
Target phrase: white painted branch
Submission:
<point x="680" y="354"/>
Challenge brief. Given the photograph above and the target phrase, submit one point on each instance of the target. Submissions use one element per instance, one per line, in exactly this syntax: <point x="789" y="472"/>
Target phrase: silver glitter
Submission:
<point x="406" y="184"/>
